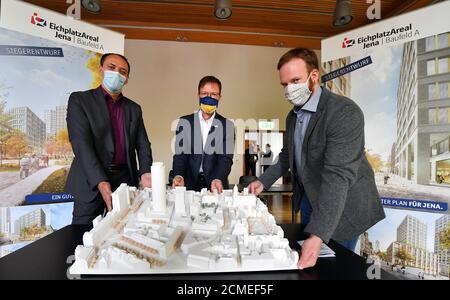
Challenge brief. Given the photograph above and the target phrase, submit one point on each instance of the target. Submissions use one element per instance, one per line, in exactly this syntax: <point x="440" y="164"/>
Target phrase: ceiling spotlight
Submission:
<point x="94" y="6"/>
<point x="222" y="9"/>
<point x="342" y="13"/>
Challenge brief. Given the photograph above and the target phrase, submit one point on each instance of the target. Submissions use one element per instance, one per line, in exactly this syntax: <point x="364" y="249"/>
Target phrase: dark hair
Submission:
<point x="104" y="56"/>
<point x="209" y="79"/>
<point x="268" y="145"/>
<point x="308" y="56"/>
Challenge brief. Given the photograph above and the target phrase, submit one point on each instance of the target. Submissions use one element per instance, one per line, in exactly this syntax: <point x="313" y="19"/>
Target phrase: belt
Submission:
<point x="117" y="167"/>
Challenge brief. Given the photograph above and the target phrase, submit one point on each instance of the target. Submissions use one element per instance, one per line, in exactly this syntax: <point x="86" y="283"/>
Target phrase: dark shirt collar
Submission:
<point x="108" y="96"/>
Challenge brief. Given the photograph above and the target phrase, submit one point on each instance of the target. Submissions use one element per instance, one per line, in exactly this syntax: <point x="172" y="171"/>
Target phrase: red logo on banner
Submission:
<point x="36" y="20"/>
<point x="347" y="43"/>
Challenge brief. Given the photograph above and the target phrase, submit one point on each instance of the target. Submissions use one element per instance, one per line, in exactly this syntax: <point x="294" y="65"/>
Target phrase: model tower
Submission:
<point x="159" y="187"/>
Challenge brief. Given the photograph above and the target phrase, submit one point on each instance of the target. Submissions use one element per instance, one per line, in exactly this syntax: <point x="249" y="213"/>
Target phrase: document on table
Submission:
<point x="325" y="251"/>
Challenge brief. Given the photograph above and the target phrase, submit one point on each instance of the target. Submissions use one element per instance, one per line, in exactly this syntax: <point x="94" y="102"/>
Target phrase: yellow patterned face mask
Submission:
<point x="208" y="105"/>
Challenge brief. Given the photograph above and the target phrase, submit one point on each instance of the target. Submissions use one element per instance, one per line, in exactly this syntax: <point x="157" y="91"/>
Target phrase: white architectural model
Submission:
<point x="179" y="231"/>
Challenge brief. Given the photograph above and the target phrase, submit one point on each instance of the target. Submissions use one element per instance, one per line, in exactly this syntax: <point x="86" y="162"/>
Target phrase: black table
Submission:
<point x="47" y="259"/>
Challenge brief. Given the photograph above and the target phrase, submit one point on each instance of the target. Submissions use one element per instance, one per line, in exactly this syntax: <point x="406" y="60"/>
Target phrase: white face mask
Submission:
<point x="297" y="93"/>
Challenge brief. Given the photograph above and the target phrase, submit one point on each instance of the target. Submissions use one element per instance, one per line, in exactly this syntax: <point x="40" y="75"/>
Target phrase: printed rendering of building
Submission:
<point x="366" y="245"/>
<point x="55" y="120"/>
<point x="34" y="218"/>
<point x="422" y="153"/>
<point x="5" y="221"/>
<point x="27" y="122"/>
<point x="377" y="247"/>
<point x="412" y="238"/>
<point x="61" y="113"/>
<point x="412" y="232"/>
<point x="50" y="123"/>
<point x="342" y="84"/>
<point x="393" y="167"/>
<point x="442" y="224"/>
<point x="420" y="258"/>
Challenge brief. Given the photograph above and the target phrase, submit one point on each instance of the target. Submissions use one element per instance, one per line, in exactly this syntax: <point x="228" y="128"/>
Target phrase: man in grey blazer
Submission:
<point x="334" y="185"/>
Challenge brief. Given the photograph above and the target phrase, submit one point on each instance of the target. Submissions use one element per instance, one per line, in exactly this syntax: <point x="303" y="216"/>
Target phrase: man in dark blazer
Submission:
<point x="334" y="185"/>
<point x="107" y="132"/>
<point x="204" y="143"/>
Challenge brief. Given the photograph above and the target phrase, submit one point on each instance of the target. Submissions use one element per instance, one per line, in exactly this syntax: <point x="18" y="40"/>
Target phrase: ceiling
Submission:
<point x="280" y="23"/>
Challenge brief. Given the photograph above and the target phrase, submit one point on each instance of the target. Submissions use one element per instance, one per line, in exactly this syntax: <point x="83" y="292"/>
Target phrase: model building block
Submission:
<point x="162" y="230"/>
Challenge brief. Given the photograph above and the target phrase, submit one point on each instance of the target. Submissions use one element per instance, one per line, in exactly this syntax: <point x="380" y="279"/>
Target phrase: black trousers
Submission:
<point x="201" y="183"/>
<point x="250" y="167"/>
<point x="94" y="207"/>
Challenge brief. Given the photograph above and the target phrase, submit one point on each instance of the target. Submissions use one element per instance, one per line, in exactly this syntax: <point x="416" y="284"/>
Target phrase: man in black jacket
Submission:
<point x="106" y="131"/>
<point x="204" y="143"/>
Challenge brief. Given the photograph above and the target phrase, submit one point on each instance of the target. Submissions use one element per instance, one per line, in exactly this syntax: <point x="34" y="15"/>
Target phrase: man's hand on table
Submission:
<point x="310" y="252"/>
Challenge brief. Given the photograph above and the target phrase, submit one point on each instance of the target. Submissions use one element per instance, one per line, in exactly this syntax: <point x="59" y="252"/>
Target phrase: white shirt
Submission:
<point x="205" y="127"/>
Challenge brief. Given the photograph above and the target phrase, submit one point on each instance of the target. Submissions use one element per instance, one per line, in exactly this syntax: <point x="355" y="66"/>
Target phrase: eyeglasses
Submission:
<point x="213" y="95"/>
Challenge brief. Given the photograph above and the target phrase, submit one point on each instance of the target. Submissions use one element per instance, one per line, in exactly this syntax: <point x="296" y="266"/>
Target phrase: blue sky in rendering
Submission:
<point x="386" y="230"/>
<point x="42" y="83"/>
<point x="61" y="214"/>
<point x="374" y="88"/>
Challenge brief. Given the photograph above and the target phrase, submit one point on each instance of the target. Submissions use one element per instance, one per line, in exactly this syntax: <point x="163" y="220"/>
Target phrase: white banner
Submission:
<point x="397" y="71"/>
<point x="44" y="23"/>
<point x="411" y="26"/>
